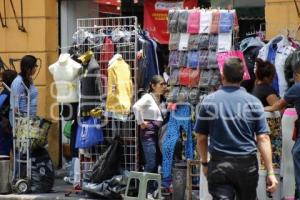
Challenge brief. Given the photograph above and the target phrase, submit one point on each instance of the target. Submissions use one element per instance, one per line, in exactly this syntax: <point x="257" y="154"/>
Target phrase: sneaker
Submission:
<point x="150" y="196"/>
<point x="68" y="180"/>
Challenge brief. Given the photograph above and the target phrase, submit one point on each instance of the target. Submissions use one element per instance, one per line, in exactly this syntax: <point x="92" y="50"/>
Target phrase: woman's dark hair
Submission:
<point x="155" y="80"/>
<point x="264" y="69"/>
<point x="28" y="63"/>
<point x="8" y="76"/>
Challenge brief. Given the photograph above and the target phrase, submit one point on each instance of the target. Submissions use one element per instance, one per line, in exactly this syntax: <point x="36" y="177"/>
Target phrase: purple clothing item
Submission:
<point x="226" y="22"/>
<point x="152" y="129"/>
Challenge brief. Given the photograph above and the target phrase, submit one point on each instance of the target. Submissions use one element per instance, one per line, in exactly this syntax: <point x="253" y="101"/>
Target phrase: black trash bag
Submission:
<point x="108" y="164"/>
<point x="42" y="172"/>
<point x="108" y="189"/>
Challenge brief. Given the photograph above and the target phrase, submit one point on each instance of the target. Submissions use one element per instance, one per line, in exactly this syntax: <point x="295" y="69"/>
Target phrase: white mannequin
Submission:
<point x="65" y="74"/>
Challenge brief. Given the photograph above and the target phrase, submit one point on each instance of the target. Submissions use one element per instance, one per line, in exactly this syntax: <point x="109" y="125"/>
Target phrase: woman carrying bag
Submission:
<point x="149" y="116"/>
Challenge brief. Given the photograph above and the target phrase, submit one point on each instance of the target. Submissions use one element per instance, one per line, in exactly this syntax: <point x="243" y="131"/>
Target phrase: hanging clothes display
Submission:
<point x="148" y="62"/>
<point x="194" y="71"/>
<point x="276" y="51"/>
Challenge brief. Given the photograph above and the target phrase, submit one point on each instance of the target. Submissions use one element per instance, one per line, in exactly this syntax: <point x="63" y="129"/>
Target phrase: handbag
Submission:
<point x="222" y="57"/>
<point x="89" y="132"/>
<point x="68" y="129"/>
<point x="34" y="128"/>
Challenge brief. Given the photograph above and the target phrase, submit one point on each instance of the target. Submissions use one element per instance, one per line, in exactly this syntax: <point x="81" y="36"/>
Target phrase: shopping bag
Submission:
<point x="33" y="128"/>
<point x="68" y="129"/>
<point x="89" y="132"/>
<point x="222" y="57"/>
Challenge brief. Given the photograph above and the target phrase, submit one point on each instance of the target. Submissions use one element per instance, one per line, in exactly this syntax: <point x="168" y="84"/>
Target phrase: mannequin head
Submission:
<point x="28" y="68"/>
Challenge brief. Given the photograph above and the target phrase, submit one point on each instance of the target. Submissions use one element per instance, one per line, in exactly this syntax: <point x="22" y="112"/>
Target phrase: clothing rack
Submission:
<point x="126" y="130"/>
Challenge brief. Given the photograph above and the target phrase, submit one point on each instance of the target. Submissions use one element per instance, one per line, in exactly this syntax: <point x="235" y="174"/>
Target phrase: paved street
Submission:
<point x="59" y="190"/>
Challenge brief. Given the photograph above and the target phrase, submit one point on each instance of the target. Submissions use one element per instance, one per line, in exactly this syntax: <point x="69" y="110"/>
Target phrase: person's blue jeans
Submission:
<point x="296" y="159"/>
<point x="151" y="164"/>
<point x="149" y="147"/>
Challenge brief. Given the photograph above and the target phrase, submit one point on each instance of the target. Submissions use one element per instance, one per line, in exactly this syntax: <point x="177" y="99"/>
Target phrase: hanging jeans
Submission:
<point x="180" y="118"/>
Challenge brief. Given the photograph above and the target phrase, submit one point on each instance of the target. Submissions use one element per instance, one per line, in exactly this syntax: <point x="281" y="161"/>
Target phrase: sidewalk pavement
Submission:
<point x="59" y="190"/>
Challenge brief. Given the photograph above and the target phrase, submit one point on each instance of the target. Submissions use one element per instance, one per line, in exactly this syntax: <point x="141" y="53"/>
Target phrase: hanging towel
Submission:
<point x="173" y="21"/>
<point x="182" y="58"/>
<point x="193" y="59"/>
<point x="182" y="21"/>
<point x="203" y="59"/>
<point x="173" y="42"/>
<point x="194" y="22"/>
<point x="224" y="42"/>
<point x="183" y="42"/>
<point x="193" y="42"/>
<point x="226" y="22"/>
<point x="203" y="41"/>
<point x="213" y="42"/>
<point x="214" y="29"/>
<point x="174" y="59"/>
<point x="205" y="21"/>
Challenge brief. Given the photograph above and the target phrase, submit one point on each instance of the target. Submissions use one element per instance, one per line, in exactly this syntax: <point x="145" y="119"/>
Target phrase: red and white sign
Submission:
<point x="109" y="6"/>
<point x="156" y="17"/>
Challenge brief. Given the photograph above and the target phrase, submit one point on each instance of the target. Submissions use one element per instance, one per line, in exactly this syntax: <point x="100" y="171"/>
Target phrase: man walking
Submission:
<point x="234" y="122"/>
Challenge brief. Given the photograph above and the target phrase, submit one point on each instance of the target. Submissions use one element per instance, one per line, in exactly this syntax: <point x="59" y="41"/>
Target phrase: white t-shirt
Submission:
<point x="65" y="74"/>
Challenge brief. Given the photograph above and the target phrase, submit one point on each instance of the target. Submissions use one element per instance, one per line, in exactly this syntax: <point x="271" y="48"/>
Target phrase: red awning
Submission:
<point x="109" y="6"/>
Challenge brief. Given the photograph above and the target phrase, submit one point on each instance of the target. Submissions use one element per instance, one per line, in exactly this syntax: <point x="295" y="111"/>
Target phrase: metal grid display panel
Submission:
<point x="127" y="130"/>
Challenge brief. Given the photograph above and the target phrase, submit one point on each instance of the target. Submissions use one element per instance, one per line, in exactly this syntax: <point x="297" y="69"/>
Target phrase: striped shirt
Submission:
<point x="18" y="98"/>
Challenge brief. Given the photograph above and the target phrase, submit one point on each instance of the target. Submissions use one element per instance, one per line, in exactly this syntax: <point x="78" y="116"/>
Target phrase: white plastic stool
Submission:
<point x="143" y="178"/>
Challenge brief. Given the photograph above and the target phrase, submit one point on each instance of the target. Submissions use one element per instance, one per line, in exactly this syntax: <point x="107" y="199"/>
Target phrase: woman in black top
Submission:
<point x="265" y="72"/>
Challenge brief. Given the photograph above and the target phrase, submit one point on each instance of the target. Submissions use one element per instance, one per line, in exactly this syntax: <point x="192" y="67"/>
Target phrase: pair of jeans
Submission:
<point x="296" y="160"/>
<point x="149" y="140"/>
<point x="233" y="177"/>
<point x="180" y="118"/>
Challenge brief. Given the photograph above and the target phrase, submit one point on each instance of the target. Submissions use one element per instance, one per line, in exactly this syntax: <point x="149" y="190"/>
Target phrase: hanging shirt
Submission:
<point x="119" y="86"/>
<point x="284" y="49"/>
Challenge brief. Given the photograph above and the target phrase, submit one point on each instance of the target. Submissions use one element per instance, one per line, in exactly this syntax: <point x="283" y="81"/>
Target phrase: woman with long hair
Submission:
<point x="19" y="94"/>
<point x="149" y="116"/>
<point x="265" y="72"/>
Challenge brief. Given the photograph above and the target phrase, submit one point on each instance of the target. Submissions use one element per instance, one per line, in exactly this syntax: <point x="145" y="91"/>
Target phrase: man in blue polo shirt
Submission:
<point x="234" y="122"/>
